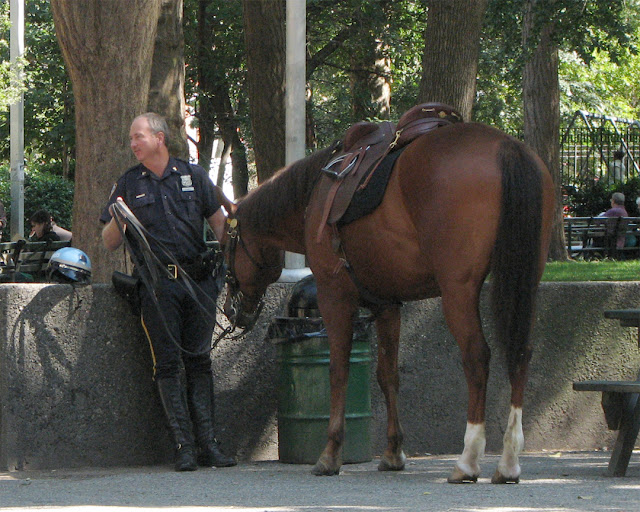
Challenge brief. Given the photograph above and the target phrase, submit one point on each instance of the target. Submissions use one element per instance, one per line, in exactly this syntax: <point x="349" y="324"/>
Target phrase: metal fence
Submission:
<point x="595" y="147"/>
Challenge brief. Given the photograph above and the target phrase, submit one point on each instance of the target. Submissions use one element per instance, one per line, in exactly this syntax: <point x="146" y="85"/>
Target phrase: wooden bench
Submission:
<point x="593" y="237"/>
<point x="26" y="261"/>
<point x="620" y="402"/>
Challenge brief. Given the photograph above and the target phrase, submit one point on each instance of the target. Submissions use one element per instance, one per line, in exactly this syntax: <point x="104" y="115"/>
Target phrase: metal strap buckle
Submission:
<point x="173" y="269"/>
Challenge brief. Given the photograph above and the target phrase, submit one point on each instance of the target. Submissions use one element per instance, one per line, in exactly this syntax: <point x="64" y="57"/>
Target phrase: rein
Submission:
<point x="122" y="214"/>
<point x="236" y="295"/>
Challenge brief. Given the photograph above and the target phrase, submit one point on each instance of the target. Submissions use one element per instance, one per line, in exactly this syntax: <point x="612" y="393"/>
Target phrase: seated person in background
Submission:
<point x="64" y="234"/>
<point x="617" y="210"/>
<point x="617" y="207"/>
<point x="41" y="229"/>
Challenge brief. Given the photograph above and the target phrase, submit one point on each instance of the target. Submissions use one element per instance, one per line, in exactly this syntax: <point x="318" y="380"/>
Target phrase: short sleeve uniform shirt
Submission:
<point x="172" y="208"/>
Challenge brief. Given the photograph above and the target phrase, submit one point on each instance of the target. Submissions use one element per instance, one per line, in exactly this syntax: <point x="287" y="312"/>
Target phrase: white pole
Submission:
<point x="16" y="113"/>
<point x="294" y="264"/>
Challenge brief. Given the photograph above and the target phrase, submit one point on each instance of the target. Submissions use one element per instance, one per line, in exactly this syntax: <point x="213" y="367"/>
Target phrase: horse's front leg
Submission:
<point x="388" y="329"/>
<point x="463" y="318"/>
<point x="340" y="332"/>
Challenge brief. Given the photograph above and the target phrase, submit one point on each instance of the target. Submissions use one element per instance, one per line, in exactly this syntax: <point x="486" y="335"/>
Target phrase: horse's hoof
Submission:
<point x="499" y="478"/>
<point x="323" y="469"/>
<point x="460" y="477"/>
<point x="392" y="463"/>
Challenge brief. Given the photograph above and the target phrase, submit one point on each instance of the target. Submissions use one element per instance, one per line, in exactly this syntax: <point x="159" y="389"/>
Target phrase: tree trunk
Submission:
<point x="450" y="60"/>
<point x="541" y="97"/>
<point x="214" y="107"/>
<point x="264" y="32"/>
<point x="370" y="88"/>
<point x="108" y="50"/>
<point x="166" y="90"/>
<point x="370" y="68"/>
<point x="205" y="112"/>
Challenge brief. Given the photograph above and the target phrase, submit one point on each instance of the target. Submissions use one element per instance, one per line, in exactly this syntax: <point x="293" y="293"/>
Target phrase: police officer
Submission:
<point x="172" y="199"/>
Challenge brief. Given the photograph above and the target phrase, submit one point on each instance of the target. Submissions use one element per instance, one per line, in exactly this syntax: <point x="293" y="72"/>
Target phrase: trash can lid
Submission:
<point x="304" y="298"/>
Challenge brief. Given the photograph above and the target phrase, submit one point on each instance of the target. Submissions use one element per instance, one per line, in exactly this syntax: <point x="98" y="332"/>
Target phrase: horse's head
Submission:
<point x="251" y="267"/>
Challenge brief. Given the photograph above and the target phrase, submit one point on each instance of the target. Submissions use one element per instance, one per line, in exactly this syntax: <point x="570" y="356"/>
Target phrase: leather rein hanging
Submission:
<point x="122" y="214"/>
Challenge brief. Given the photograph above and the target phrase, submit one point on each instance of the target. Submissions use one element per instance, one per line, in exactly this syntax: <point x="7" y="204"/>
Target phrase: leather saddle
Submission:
<point x="364" y="146"/>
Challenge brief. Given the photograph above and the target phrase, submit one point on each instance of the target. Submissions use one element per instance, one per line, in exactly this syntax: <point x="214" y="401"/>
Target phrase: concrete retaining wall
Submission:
<point x="76" y="387"/>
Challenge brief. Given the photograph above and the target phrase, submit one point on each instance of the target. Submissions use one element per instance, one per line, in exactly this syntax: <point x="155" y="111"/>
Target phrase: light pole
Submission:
<point x="295" y="82"/>
<point x="16" y="112"/>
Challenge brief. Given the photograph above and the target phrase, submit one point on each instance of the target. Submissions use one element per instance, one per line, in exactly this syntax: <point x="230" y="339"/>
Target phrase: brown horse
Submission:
<point x="463" y="201"/>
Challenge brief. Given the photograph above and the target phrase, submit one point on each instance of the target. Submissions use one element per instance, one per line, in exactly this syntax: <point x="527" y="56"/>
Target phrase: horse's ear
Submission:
<point x="226" y="203"/>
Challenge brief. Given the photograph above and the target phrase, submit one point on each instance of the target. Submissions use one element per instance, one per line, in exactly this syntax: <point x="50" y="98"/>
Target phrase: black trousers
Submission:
<point x="183" y="323"/>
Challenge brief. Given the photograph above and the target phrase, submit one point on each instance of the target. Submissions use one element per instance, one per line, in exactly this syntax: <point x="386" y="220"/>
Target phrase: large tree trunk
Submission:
<point x="166" y="90"/>
<point x="450" y="60"/>
<point x="264" y="32"/>
<point x="108" y="50"/>
<point x="541" y="97"/>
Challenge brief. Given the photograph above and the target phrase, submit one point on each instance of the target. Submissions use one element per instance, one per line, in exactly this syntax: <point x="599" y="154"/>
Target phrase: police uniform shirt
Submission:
<point x="172" y="208"/>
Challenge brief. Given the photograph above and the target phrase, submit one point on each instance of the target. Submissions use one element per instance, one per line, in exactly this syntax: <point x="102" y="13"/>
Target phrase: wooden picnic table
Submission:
<point x="620" y="401"/>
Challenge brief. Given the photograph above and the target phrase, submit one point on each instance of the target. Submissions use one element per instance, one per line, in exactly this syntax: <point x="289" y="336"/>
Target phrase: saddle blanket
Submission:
<point x="367" y="199"/>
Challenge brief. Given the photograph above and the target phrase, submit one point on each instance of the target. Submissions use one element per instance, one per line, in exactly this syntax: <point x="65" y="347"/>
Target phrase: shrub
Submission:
<point x="594" y="197"/>
<point x="41" y="190"/>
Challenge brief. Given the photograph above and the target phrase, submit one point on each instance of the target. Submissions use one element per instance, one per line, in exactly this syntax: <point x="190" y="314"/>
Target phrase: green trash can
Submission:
<point x="304" y="392"/>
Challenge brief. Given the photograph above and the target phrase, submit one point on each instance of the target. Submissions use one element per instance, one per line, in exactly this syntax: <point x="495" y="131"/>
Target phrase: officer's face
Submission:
<point x="143" y="142"/>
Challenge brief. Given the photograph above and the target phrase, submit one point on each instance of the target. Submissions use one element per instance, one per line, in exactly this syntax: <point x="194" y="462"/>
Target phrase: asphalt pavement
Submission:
<point x="553" y="481"/>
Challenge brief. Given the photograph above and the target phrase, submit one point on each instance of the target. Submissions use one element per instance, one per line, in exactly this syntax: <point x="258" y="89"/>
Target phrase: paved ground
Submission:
<point x="564" y="482"/>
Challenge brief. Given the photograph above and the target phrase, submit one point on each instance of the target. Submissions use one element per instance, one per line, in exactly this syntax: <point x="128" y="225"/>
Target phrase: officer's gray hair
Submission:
<point x="157" y="124"/>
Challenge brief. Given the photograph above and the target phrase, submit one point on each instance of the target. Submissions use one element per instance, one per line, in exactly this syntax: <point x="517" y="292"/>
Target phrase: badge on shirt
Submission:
<point x="187" y="184"/>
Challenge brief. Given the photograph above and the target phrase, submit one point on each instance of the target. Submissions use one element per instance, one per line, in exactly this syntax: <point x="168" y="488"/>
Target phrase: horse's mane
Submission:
<point x="286" y="191"/>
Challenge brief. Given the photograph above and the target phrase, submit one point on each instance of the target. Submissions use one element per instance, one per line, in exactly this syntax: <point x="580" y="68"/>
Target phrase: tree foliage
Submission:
<point x="49" y="128"/>
<point x="11" y="86"/>
<point x="42" y="189"/>
<point x="598" y="71"/>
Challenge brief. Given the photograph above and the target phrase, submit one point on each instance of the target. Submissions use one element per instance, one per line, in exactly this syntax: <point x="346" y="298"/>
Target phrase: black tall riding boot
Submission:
<point x="175" y="407"/>
<point x="201" y="405"/>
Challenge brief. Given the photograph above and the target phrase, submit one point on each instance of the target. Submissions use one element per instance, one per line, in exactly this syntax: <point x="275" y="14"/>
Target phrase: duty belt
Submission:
<point x="197" y="271"/>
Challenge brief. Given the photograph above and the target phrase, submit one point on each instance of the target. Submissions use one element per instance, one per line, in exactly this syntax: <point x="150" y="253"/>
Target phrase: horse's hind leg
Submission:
<point x="388" y="330"/>
<point x="463" y="318"/>
<point x="513" y="441"/>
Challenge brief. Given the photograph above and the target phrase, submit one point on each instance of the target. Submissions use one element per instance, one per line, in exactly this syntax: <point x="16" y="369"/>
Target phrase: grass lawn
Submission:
<point x="603" y="270"/>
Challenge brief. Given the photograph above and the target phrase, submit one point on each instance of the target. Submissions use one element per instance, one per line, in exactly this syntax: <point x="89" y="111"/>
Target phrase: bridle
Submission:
<point x="236" y="314"/>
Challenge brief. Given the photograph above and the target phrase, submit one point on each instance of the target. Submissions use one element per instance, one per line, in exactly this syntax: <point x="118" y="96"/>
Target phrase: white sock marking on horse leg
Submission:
<point x="474" y="443"/>
<point x="513" y="440"/>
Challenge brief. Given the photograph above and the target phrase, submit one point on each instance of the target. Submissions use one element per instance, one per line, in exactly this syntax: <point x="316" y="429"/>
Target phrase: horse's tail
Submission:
<point x="515" y="259"/>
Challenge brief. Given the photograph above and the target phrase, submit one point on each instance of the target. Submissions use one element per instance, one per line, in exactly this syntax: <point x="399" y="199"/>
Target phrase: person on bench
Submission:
<point x="64" y="234"/>
<point x="617" y="210"/>
<point x="41" y="228"/>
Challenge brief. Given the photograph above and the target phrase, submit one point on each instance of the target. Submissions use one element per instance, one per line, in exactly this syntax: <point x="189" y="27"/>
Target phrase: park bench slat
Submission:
<point x="33" y="258"/>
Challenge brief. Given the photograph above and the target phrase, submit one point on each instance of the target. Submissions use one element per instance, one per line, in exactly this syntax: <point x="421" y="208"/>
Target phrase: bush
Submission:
<point x="41" y="190"/>
<point x="594" y="197"/>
